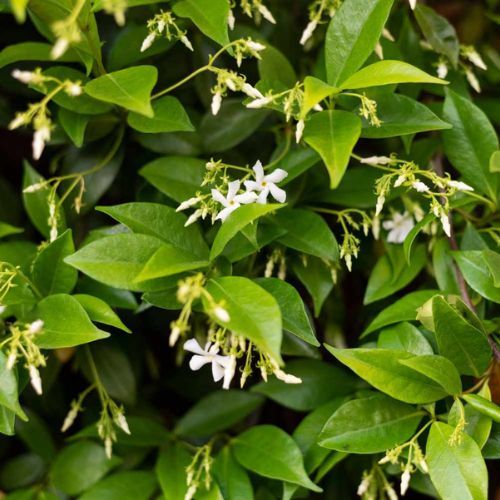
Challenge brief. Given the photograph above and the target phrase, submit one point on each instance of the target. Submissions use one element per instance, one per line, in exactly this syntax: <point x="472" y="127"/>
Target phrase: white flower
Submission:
<point x="74" y="89"/>
<point x="148" y="41"/>
<point x="413" y="3"/>
<point x="288" y="378"/>
<point x="348" y="261"/>
<point x="442" y="70"/>
<point x="473" y="81"/>
<point x="307" y="33"/>
<point x="18" y="121"/>
<point x="23" y="76"/>
<point x="266" y="14"/>
<point x="59" y="48"/>
<point x="445" y="222"/>
<point x="108" y="447"/>
<point x="221" y="314"/>
<point x="420" y="186"/>
<point x="187" y="203"/>
<point x="40" y="137"/>
<point x="376" y="160"/>
<point x="229" y="372"/>
<point x="399" y="227"/>
<point x="475" y="58"/>
<point x="230" y="20"/>
<point x="405" y="482"/>
<point x="391" y="493"/>
<point x="318" y="107"/>
<point x="401" y="178"/>
<point x="232" y="200"/>
<point x="260" y="102"/>
<point x="122" y="423"/>
<point x="220" y="364"/>
<point x="230" y="84"/>
<point x="160" y="26"/>
<point x="423" y="466"/>
<point x="363" y="486"/>
<point x="380" y="205"/>
<point x="461" y="186"/>
<point x="35" y="327"/>
<point x="299" y="130"/>
<point x="255" y="46"/>
<point x="185" y="40"/>
<point x="266" y="184"/>
<point x="35" y="379"/>
<point x="251" y="91"/>
<point x="194" y="217"/>
<point x="216" y="103"/>
<point x="70" y="419"/>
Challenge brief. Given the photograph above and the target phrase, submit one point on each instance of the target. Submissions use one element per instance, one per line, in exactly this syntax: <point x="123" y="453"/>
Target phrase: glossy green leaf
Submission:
<point x="254" y="313"/>
<point x="274" y="66"/>
<point x="169" y="116"/>
<point x="370" y="425"/>
<point x="406" y="337"/>
<point x="352" y="36"/>
<point x="129" y="88"/>
<point x="484" y="406"/>
<point x="333" y="135"/>
<point x="74" y="124"/>
<point x="271" y="452"/>
<point x="8" y="229"/>
<point x="456" y="470"/>
<point x="100" y="312"/>
<point x="31" y="51"/>
<point x="232" y="479"/>
<point x="125" y="485"/>
<point x="315" y="91"/>
<point x="171" y="470"/>
<point x="65" y="323"/>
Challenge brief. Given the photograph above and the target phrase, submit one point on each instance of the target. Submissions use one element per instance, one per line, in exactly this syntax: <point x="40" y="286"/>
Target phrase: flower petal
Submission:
<point x="196" y="362"/>
<point x="245" y="198"/>
<point x="277" y="175"/>
<point x="259" y="171"/>
<point x="232" y="188"/>
<point x="278" y="193"/>
<point x="223" y="214"/>
<point x="252" y="186"/>
<point x="192" y="345"/>
<point x="218" y="196"/>
<point x="217" y="370"/>
<point x="262" y="198"/>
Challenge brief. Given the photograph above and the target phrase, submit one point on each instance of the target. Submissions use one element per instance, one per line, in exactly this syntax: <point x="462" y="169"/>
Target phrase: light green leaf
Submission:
<point x="352" y="36"/>
<point x="315" y="91"/>
<point x="125" y="485"/>
<point x="293" y="311"/>
<point x="484" y="406"/>
<point x="457" y="470"/>
<point x="169" y="116"/>
<point x="100" y="312"/>
<point x="458" y="340"/>
<point x="9" y="390"/>
<point x="216" y="412"/>
<point x="470" y="143"/>
<point x="271" y="452"/>
<point x="387" y="73"/>
<point x="51" y="274"/>
<point x="65" y="323"/>
<point x="333" y="134"/>
<point x="316" y="388"/>
<point x="405" y="337"/>
<point x="237" y="221"/>
<point x="209" y="16"/>
<point x="384" y="369"/>
<point x="8" y="229"/>
<point x="129" y="88"/>
<point x="254" y="313"/>
<point x="370" y="425"/>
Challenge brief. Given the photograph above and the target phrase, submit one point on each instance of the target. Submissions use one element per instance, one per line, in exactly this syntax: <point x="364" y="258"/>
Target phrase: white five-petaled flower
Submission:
<point x="399" y="227"/>
<point x="232" y="200"/>
<point x="266" y="184"/>
<point x="420" y="187"/>
<point x="222" y="366"/>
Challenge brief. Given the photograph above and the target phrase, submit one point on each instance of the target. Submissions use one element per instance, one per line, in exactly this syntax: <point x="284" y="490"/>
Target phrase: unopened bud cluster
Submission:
<point x="164" y="25"/>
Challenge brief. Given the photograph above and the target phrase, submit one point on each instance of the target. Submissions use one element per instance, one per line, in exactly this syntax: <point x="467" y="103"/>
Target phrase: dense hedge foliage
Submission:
<point x="249" y="249"/>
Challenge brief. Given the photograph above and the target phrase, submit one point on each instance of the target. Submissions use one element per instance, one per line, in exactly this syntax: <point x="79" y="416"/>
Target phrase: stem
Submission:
<point x="182" y="82"/>
<point x="95" y="375"/>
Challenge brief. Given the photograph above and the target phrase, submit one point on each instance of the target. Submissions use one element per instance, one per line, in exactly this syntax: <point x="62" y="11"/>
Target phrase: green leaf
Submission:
<point x="439" y="32"/>
<point x="254" y="313"/>
<point x="404" y="309"/>
<point x="275" y="67"/>
<point x="209" y="16"/>
<point x="459" y="341"/>
<point x="169" y="116"/>
<point x="475" y="270"/>
<point x="51" y="274"/>
<point x="333" y="135"/>
<point x="293" y="311"/>
<point x="99" y="311"/>
<point x="160" y="221"/>
<point x="470" y="143"/>
<point x="384" y="369"/>
<point x="79" y="466"/>
<point x="177" y="176"/>
<point x="387" y="73"/>
<point x="116" y="260"/>
<point x="31" y="51"/>
<point x="271" y="452"/>
<point x="129" y="88"/>
<point x="370" y="425"/>
<point x="484" y="406"/>
<point x="36" y="203"/>
<point x="9" y="390"/>
<point x="36" y="435"/>
<point x="401" y="116"/>
<point x="307" y="232"/>
<point x="8" y="229"/>
<point x="495" y="162"/>
<point x="492" y="260"/>
<point x="74" y="124"/>
<point x="237" y="221"/>
<point x="352" y="36"/>
<point x="216" y="412"/>
<point x="457" y="470"/>
<point x="125" y="485"/>
<point x="315" y="91"/>
<point x="171" y="470"/>
<point x="316" y="387"/>
<point x="412" y="235"/>
<point x="232" y="479"/>
<point x="405" y="337"/>
<point x="65" y="323"/>
<point x="386" y="279"/>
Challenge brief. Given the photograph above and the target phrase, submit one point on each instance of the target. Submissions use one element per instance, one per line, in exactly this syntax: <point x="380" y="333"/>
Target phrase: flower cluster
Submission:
<point x="198" y="471"/>
<point x="164" y="25"/>
<point x="252" y="8"/>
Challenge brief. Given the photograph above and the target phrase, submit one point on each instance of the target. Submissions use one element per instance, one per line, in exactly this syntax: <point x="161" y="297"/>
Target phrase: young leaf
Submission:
<point x="51" y="274"/>
<point x="457" y="470"/>
<point x="370" y="425"/>
<point x="130" y="88"/>
<point x="65" y="323"/>
<point x="484" y="406"/>
<point x="315" y="91"/>
<point x="169" y="116"/>
<point x="352" y="36"/>
<point x="333" y="134"/>
<point x="271" y="452"/>
<point x="253" y="312"/>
